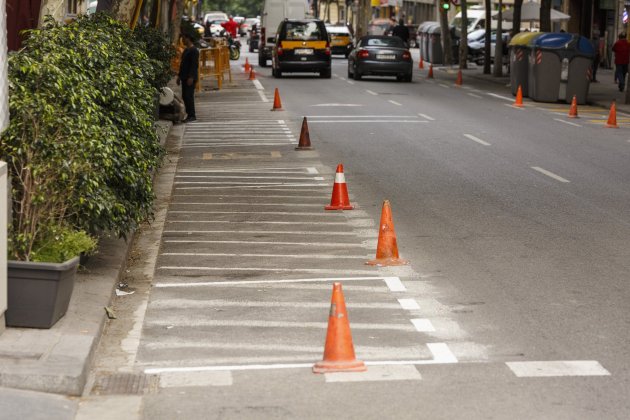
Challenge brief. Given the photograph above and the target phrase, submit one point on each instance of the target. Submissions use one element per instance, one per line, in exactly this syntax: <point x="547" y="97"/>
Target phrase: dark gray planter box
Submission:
<point x="39" y="293"/>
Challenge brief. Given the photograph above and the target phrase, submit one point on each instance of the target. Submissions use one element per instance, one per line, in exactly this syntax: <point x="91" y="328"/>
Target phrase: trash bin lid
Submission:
<point x="555" y="40"/>
<point x="424" y="26"/>
<point x="585" y="46"/>
<point x="435" y="29"/>
<point x="522" y="39"/>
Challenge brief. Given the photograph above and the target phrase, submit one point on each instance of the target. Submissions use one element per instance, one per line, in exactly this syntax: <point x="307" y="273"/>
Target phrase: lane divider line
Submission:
<point x="262" y="96"/>
<point x="423" y="325"/>
<point x="505" y="98"/>
<point x="371" y="92"/>
<point x="409" y="304"/>
<point x="425" y="116"/>
<point x="394" y="103"/>
<point x="258" y="85"/>
<point x="550" y="174"/>
<point x="477" y="139"/>
<point x="567" y="122"/>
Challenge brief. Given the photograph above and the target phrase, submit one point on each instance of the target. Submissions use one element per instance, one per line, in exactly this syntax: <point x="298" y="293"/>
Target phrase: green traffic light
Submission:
<point x="446" y="6"/>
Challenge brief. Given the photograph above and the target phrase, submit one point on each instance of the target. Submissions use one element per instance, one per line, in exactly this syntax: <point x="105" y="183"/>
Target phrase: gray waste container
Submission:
<point x="560" y="67"/>
<point x="424" y="39"/>
<point x="435" y="44"/>
<point x="519" y="63"/>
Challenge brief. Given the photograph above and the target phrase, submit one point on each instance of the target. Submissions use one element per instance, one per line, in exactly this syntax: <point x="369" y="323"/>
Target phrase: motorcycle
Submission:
<point x="233" y="44"/>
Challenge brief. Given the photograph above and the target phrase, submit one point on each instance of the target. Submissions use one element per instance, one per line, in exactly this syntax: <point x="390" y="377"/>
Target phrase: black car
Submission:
<point x="381" y="56"/>
<point x="301" y="46"/>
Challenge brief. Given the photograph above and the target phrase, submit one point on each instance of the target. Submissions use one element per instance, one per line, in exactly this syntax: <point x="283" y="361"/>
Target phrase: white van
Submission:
<point x="477" y="19"/>
<point x="274" y="12"/>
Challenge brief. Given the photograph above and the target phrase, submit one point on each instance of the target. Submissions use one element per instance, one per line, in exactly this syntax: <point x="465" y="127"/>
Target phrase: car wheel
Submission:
<point x="408" y="77"/>
<point x="357" y="75"/>
<point x="325" y="74"/>
<point x="349" y="73"/>
<point x="262" y="62"/>
<point x="400" y="78"/>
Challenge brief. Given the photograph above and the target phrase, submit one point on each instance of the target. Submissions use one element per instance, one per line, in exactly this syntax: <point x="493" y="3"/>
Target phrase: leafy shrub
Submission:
<point x="81" y="144"/>
<point x="62" y="244"/>
<point x="160" y="51"/>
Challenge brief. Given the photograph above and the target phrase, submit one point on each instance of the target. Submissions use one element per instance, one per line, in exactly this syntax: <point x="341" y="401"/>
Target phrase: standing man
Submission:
<point x="622" y="56"/>
<point x="188" y="75"/>
<point x="230" y="26"/>
<point x="401" y="31"/>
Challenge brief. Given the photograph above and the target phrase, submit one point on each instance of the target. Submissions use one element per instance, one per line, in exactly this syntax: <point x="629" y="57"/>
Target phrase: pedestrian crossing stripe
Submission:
<point x="236" y="155"/>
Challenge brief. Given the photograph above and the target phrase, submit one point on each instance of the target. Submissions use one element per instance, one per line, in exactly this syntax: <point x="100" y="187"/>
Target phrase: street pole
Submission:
<point x="4" y="122"/>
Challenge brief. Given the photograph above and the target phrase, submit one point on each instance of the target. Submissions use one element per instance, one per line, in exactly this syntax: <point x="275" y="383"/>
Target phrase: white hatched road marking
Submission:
<point x="262" y="96"/>
<point x="388" y="281"/>
<point x="567" y="122"/>
<point x="550" y="174"/>
<point x="423" y="325"/>
<point x="366" y="121"/>
<point x="558" y="368"/>
<point x="220" y="303"/>
<point x="265" y="269"/>
<point x="505" y="98"/>
<point x="394" y="102"/>
<point x="371" y="92"/>
<point x="331" y="244"/>
<point x="258" y="85"/>
<point x="314" y="256"/>
<point x="427" y="117"/>
<point x="408" y="304"/>
<point x="394" y="284"/>
<point x="377" y="373"/>
<point x="360" y="116"/>
<point x="186" y="322"/>
<point x="475" y="95"/>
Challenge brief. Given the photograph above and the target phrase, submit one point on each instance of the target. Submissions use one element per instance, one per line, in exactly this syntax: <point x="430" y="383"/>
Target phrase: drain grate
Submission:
<point x="124" y="384"/>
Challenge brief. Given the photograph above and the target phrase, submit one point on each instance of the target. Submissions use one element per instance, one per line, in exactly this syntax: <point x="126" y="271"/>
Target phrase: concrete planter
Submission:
<point x="39" y="293"/>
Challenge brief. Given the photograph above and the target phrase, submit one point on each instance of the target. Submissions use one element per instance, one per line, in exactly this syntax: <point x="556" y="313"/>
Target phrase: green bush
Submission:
<point x="62" y="244"/>
<point x="81" y="143"/>
<point x="161" y="52"/>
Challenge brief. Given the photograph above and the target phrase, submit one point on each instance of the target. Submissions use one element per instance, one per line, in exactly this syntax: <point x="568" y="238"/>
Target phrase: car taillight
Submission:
<point x="280" y="51"/>
<point x="363" y="53"/>
<point x="406" y="55"/>
<point x="327" y="48"/>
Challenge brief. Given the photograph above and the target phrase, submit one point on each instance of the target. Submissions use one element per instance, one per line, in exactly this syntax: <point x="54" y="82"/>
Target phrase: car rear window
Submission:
<point x="382" y="42"/>
<point x="338" y="30"/>
<point x="303" y="31"/>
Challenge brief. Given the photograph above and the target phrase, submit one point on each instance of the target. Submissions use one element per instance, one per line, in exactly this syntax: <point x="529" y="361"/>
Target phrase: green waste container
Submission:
<point x="560" y="67"/>
<point x="519" y="66"/>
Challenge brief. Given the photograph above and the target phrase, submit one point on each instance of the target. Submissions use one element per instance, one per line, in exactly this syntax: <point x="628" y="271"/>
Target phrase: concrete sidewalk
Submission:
<point x="57" y="360"/>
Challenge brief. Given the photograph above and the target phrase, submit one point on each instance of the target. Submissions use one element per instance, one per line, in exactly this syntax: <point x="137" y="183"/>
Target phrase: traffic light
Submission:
<point x="445" y="5"/>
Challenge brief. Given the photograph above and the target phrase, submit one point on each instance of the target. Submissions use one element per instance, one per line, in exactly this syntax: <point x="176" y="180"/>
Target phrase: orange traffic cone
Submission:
<point x="612" y="116"/>
<point x="246" y="65"/>
<point x="573" y="112"/>
<point x="387" y="248"/>
<point x="252" y="74"/>
<point x="277" y="105"/>
<point x="519" y="97"/>
<point x="340" y="199"/>
<point x="430" y="75"/>
<point x="305" y="138"/>
<point x="459" y="80"/>
<point x="339" y="350"/>
<point x="421" y="63"/>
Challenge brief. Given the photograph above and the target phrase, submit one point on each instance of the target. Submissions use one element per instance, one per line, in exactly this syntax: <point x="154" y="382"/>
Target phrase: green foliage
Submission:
<point x="159" y="49"/>
<point x="81" y="144"/>
<point x="62" y="244"/>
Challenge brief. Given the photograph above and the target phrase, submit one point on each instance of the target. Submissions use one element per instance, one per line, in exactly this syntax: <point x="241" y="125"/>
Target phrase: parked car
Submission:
<point x="340" y="39"/>
<point x="477" y="43"/>
<point x="210" y="16"/>
<point x="216" y="28"/>
<point x="301" y="46"/>
<point x="380" y="56"/>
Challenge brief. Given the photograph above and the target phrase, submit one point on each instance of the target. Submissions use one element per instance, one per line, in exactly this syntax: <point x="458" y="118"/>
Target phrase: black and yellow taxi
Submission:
<point x="302" y="45"/>
<point x="340" y="39"/>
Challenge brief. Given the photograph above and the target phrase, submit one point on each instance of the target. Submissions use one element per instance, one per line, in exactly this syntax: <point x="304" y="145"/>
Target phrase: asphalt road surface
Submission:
<point x="515" y="222"/>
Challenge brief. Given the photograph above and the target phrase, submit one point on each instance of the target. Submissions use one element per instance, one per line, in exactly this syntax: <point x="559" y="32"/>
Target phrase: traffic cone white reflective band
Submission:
<point x="340" y="178"/>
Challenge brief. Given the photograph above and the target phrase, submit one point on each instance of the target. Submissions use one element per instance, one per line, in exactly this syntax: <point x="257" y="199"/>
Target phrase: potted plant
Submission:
<point x="80" y="149"/>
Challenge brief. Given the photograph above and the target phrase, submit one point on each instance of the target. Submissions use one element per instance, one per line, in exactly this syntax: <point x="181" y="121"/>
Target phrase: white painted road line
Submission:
<point x="409" y="304"/>
<point x="361" y="116"/>
<point x="394" y="284"/>
<point x="314" y="256"/>
<point x="394" y="103"/>
<point x="550" y="174"/>
<point x="186" y="322"/>
<point x="476" y="139"/>
<point x="268" y="232"/>
<point x="287" y="281"/>
<point x="258" y="85"/>
<point x="248" y="242"/>
<point x="262" y="96"/>
<point x="423" y="325"/>
<point x="177" y="380"/>
<point x="265" y="269"/>
<point x="441" y="355"/>
<point x="273" y="213"/>
<point x="505" y="98"/>
<point x="371" y="92"/>
<point x="251" y="222"/>
<point x="350" y="82"/>
<point x="365" y="121"/>
<point x="567" y="122"/>
<point x="557" y="368"/>
<point x="244" y="176"/>
<point x="219" y="303"/>
<point x="475" y="95"/>
<point x="177" y="203"/>
<point x="427" y="117"/>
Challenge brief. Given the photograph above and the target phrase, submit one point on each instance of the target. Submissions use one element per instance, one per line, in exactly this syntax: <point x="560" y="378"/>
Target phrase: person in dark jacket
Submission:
<point x="401" y="31"/>
<point x="188" y="75"/>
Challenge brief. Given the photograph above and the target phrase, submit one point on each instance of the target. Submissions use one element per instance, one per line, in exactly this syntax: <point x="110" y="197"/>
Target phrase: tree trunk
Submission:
<point x="164" y="16"/>
<point x="516" y="17"/>
<point x="486" y="50"/>
<point x="545" y="15"/>
<point x="54" y="8"/>
<point x="463" y="40"/>
<point x="498" y="50"/>
<point x="176" y="23"/>
<point x="446" y="38"/>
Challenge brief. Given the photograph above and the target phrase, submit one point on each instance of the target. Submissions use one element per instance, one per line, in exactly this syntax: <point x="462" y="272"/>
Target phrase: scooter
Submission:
<point x="233" y="44"/>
